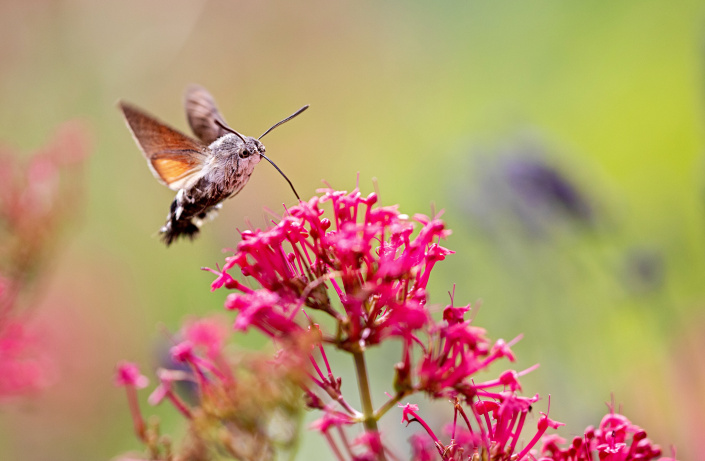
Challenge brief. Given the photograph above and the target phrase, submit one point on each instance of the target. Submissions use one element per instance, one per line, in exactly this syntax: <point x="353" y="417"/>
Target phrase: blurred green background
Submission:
<point x="564" y="140"/>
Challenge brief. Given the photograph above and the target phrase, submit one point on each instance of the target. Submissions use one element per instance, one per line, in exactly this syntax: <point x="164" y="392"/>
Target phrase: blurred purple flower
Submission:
<point x="521" y="186"/>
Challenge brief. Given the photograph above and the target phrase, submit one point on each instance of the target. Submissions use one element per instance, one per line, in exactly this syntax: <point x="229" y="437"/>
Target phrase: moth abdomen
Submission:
<point x="189" y="209"/>
<point x="173" y="230"/>
<point x="181" y="221"/>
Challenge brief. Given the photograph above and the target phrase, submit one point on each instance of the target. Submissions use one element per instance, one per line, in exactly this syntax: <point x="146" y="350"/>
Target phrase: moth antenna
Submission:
<point x="282" y="173"/>
<point x="285" y="120"/>
<point x="227" y="128"/>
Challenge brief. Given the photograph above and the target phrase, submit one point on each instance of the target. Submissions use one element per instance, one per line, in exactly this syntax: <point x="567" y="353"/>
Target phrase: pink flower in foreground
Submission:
<point x="366" y="255"/>
<point x="351" y="278"/>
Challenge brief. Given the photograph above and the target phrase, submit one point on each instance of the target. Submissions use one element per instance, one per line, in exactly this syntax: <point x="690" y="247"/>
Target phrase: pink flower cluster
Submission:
<point x="37" y="197"/>
<point x="234" y="404"/>
<point x="367" y="255"/>
<point x="201" y="351"/>
<point x="616" y="439"/>
<point x="362" y="271"/>
<point x="378" y="268"/>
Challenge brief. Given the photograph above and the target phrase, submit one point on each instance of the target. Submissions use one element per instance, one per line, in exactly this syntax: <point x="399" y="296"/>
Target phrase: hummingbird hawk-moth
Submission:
<point x="203" y="172"/>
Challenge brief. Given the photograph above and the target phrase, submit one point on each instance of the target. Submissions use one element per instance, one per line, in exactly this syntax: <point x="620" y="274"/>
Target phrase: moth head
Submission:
<point x="252" y="148"/>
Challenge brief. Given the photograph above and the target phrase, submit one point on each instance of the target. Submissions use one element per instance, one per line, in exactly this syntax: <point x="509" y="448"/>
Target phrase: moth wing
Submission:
<point x="174" y="158"/>
<point x="202" y="114"/>
<point x="175" y="170"/>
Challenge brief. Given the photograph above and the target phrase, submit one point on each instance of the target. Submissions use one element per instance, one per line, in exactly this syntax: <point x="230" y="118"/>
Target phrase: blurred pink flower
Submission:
<point x="128" y="374"/>
<point x="37" y="197"/>
<point x="25" y="365"/>
<point x="209" y="333"/>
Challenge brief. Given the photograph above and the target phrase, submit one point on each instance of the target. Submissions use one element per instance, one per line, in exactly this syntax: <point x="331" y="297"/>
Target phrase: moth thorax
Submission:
<point x="228" y="144"/>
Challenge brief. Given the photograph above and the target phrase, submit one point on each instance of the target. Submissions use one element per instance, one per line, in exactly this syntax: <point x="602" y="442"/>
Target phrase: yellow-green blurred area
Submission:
<point x="564" y="140"/>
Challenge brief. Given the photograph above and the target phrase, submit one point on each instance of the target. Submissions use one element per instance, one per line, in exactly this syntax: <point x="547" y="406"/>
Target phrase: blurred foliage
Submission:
<point x="430" y="99"/>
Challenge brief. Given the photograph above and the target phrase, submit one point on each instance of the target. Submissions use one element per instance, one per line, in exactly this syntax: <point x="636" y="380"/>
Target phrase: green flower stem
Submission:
<point x="390" y="403"/>
<point x="368" y="413"/>
<point x="366" y="399"/>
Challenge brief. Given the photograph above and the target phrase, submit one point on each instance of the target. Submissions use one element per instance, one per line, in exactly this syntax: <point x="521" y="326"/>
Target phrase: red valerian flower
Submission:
<point x="341" y="262"/>
<point x="366" y="254"/>
<point x="615" y="439"/>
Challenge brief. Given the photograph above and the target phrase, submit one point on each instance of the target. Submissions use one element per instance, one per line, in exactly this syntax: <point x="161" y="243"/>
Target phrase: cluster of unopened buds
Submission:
<point x="351" y="278"/>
